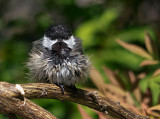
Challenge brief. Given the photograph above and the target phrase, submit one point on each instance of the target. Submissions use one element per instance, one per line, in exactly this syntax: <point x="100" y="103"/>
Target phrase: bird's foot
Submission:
<point x="61" y="86"/>
<point x="74" y="89"/>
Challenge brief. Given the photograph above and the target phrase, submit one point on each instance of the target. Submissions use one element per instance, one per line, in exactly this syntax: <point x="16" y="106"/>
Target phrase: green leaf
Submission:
<point x="87" y="30"/>
<point x="143" y="85"/>
<point x="129" y="35"/>
<point x="116" y="58"/>
<point x="155" y="90"/>
<point x="153" y="83"/>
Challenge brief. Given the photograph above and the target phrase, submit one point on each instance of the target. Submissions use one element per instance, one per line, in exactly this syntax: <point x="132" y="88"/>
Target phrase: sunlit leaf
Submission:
<point x="149" y="62"/>
<point x="115" y="90"/>
<point x="143" y="85"/>
<point x="83" y="113"/>
<point x="129" y="98"/>
<point x="151" y="83"/>
<point x="136" y="89"/>
<point x="87" y="30"/>
<point x="97" y="79"/>
<point x="114" y="79"/>
<point x="155" y="90"/>
<point x="128" y="35"/>
<point x="144" y="108"/>
<point x="137" y="94"/>
<point x="116" y="58"/>
<point x="157" y="72"/>
<point x="154" y="111"/>
<point x="141" y="75"/>
<point x="135" y="49"/>
<point x="150" y="45"/>
<point x="155" y="79"/>
<point x="132" y="77"/>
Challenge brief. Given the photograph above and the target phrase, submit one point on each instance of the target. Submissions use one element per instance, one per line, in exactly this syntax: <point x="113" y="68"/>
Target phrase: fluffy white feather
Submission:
<point x="47" y="42"/>
<point x="70" y="42"/>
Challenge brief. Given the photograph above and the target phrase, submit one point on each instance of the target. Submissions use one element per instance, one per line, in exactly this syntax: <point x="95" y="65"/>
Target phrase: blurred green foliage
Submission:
<point x="98" y="24"/>
<point x="153" y="84"/>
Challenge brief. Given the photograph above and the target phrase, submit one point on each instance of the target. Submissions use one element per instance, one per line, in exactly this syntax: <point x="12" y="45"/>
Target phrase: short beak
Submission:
<point x="61" y="48"/>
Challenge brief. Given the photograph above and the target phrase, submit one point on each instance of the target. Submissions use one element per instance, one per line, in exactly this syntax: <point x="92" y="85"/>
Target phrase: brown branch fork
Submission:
<point x="14" y="101"/>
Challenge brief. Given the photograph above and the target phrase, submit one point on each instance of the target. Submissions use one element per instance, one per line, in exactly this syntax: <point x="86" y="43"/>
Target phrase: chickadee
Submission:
<point x="58" y="58"/>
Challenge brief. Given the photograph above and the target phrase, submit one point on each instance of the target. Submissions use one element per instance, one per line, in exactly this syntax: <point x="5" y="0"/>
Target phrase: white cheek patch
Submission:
<point x="47" y="42"/>
<point x="70" y="42"/>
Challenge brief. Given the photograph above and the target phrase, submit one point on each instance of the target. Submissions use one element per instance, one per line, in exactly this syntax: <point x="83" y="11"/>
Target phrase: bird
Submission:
<point x="58" y="58"/>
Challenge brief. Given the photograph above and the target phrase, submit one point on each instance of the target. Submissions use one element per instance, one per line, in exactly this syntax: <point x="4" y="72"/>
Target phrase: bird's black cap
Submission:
<point x="58" y="32"/>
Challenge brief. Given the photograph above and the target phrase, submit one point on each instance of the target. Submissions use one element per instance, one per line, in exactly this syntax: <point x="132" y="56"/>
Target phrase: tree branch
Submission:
<point x="11" y="102"/>
<point x="51" y="91"/>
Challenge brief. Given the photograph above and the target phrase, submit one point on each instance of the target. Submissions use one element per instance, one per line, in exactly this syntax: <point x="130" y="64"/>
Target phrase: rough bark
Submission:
<point x="13" y="103"/>
<point x="12" y="100"/>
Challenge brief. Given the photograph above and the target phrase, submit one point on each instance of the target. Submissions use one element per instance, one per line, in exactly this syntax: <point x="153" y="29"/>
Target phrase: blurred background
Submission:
<point x="99" y="23"/>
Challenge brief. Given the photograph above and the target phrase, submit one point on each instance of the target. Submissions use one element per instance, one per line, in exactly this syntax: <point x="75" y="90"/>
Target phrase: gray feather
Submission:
<point x="42" y="66"/>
